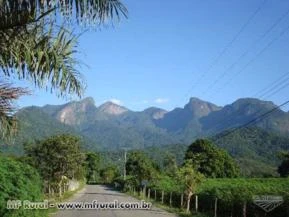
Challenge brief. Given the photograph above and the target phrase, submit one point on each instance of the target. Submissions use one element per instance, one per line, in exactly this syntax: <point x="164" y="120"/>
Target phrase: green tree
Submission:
<point x="92" y="162"/>
<point x="109" y="173"/>
<point x="166" y="183"/>
<point x="140" y="166"/>
<point x="210" y="160"/>
<point x="190" y="179"/>
<point x="37" y="46"/>
<point x="56" y="158"/>
<point x="170" y="166"/>
<point x="283" y="169"/>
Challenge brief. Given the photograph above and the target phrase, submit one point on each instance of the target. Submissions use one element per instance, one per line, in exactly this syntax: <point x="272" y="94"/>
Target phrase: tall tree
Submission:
<point x="210" y="160"/>
<point x="36" y="45"/>
<point x="170" y="164"/>
<point x="55" y="158"/>
<point x="92" y="162"/>
<point x="190" y="179"/>
<point x="140" y="166"/>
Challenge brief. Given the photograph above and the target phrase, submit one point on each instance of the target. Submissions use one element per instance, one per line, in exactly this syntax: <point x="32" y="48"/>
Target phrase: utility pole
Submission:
<point x="124" y="167"/>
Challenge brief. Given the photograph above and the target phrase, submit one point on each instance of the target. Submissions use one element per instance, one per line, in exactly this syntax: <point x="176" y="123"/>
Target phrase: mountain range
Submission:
<point x="112" y="127"/>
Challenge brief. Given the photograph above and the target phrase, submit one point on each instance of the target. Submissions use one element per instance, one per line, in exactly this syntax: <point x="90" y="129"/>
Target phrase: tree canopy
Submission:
<point x="210" y="160"/>
<point x="56" y="157"/>
<point x="140" y="166"/>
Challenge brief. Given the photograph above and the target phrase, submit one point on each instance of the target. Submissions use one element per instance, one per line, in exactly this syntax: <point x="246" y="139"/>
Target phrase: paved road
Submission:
<point x="104" y="194"/>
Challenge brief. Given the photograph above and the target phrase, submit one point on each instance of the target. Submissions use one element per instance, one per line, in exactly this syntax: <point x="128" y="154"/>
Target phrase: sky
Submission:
<point x="169" y="51"/>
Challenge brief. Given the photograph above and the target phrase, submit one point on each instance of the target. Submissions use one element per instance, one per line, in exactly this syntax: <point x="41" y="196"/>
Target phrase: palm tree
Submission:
<point x="36" y="45"/>
<point x="7" y="95"/>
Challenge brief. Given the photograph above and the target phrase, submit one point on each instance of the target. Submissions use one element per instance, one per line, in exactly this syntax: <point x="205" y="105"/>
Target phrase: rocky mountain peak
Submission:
<point x="87" y="101"/>
<point x="155" y="113"/>
<point x="74" y="113"/>
<point x="200" y="108"/>
<point x="251" y="105"/>
<point x="112" y="108"/>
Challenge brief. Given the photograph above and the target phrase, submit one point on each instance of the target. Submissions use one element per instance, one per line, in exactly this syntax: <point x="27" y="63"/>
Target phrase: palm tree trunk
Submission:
<point x="163" y="196"/>
<point x="155" y="195"/>
<point x="171" y="195"/>
<point x="149" y="193"/>
<point x="182" y="200"/>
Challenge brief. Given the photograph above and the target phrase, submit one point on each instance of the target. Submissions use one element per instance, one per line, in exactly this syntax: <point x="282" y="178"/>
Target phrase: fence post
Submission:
<point x="182" y="200"/>
<point x="245" y="209"/>
<point x="149" y="193"/>
<point x="216" y="207"/>
<point x="196" y="203"/>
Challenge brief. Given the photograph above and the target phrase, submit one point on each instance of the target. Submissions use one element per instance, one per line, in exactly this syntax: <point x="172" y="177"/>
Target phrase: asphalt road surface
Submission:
<point x="104" y="194"/>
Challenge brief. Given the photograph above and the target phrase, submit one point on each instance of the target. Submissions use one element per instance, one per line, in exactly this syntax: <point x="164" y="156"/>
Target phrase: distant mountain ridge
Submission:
<point x="111" y="126"/>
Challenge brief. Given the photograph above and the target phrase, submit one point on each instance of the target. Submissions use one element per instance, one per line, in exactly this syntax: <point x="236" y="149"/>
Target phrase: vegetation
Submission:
<point x="109" y="174"/>
<point x="23" y="184"/>
<point x="92" y="161"/>
<point x="140" y="166"/>
<point x="190" y="178"/>
<point x="179" y="185"/>
<point x="254" y="148"/>
<point x="210" y="160"/>
<point x="283" y="169"/>
<point x="57" y="159"/>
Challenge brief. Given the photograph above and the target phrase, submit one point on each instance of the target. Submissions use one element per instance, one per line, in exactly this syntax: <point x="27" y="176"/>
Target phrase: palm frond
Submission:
<point x="87" y="12"/>
<point x="43" y="56"/>
<point x="8" y="95"/>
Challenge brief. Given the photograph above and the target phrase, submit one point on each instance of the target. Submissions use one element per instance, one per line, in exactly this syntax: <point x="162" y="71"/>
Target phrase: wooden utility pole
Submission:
<point x="124" y="168"/>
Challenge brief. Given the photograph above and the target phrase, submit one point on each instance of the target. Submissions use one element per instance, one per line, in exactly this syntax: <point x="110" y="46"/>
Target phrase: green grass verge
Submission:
<point x="66" y="196"/>
<point x="178" y="211"/>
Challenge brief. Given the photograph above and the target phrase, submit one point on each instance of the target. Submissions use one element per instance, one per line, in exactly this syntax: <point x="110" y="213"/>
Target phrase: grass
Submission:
<point x="66" y="196"/>
<point x="180" y="212"/>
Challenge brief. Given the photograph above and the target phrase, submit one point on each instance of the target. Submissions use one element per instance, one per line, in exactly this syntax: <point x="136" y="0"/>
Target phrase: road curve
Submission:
<point x="104" y="194"/>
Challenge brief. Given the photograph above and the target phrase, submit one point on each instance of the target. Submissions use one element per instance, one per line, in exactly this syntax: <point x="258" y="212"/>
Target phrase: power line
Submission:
<point x="254" y="58"/>
<point x="273" y="88"/>
<point x="275" y="83"/>
<point x="244" y="54"/>
<point x="226" y="48"/>
<point x="278" y="90"/>
<point x="252" y="121"/>
<point x="261" y="92"/>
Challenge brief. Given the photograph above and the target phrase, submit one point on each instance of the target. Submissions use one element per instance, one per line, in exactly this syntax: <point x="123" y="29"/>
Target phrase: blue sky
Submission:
<point x="165" y="53"/>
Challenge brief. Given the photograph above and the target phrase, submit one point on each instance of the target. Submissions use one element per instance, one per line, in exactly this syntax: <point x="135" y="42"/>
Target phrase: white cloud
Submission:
<point x="116" y="101"/>
<point x="161" y="100"/>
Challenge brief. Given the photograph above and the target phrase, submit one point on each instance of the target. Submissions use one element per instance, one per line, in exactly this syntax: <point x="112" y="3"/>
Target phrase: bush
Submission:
<point x="19" y="181"/>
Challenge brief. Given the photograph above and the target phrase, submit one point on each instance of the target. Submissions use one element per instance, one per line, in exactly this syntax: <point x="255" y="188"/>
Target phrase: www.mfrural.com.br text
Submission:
<point x="96" y="205"/>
